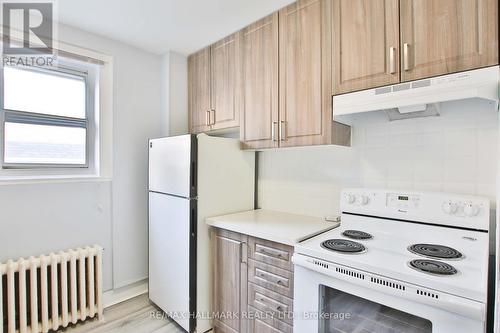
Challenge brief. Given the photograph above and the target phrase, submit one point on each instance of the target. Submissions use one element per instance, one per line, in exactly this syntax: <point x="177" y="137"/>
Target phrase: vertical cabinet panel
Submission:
<point x="230" y="280"/>
<point x="259" y="84"/>
<point x="365" y="44"/>
<point x="446" y="36"/>
<point x="199" y="90"/>
<point x="225" y="82"/>
<point x="305" y="72"/>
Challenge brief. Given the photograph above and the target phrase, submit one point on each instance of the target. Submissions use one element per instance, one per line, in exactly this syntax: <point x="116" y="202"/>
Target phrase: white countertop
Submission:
<point x="284" y="228"/>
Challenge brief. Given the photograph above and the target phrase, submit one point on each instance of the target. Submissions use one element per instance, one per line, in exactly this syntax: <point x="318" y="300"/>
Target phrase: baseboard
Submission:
<point x="123" y="294"/>
<point x="128" y="283"/>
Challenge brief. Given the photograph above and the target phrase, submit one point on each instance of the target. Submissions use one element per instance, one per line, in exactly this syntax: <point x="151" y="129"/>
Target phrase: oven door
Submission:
<point x="326" y="304"/>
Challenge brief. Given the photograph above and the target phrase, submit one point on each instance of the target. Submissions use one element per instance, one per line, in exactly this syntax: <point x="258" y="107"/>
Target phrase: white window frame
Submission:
<point x="88" y="123"/>
<point x="66" y="67"/>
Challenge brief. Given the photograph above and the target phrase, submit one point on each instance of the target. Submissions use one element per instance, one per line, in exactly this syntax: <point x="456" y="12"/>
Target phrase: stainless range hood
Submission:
<point x="419" y="98"/>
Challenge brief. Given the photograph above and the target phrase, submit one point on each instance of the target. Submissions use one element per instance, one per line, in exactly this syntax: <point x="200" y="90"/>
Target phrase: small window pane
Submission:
<point x="41" y="144"/>
<point x="39" y="92"/>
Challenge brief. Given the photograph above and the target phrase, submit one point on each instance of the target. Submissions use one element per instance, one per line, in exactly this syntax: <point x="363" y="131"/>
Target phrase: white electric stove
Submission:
<point x="399" y="262"/>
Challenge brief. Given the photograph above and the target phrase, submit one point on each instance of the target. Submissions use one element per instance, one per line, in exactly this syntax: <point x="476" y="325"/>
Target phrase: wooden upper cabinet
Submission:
<point x="305" y="73"/>
<point x="446" y="36"/>
<point x="213" y="85"/>
<point x="259" y="84"/>
<point x="199" y="90"/>
<point x="225" y="82"/>
<point x="365" y="44"/>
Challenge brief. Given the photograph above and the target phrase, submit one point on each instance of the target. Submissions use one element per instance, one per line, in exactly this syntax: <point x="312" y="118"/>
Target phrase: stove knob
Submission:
<point x="471" y="210"/>
<point x="362" y="200"/>
<point x="449" y="207"/>
<point x="349" y="198"/>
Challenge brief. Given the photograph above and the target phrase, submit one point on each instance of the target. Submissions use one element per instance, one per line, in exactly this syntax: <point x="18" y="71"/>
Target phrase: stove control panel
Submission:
<point x="356" y="199"/>
<point x="362" y="200"/>
<point x="428" y="207"/>
<point x="461" y="208"/>
<point x="403" y="202"/>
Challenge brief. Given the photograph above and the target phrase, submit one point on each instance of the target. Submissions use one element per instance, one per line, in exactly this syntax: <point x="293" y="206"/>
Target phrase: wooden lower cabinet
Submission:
<point x="259" y="294"/>
<point x="272" y="278"/>
<point x="230" y="281"/>
<point x="258" y="326"/>
<point x="260" y="323"/>
<point x="278" y="306"/>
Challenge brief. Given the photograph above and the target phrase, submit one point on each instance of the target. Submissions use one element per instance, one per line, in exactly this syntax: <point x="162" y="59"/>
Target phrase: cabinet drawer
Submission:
<point x="258" y="326"/>
<point x="220" y="327"/>
<point x="270" y="277"/>
<point x="261" y="323"/>
<point x="267" y="300"/>
<point x="271" y="253"/>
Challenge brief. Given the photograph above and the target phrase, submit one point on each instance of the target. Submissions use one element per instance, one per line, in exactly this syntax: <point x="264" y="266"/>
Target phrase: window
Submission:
<point x="47" y="117"/>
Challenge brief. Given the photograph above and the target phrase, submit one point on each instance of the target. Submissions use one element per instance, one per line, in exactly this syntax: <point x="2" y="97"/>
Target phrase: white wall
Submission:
<point x="178" y="101"/>
<point x="306" y="180"/>
<point x="49" y="216"/>
<point x="165" y="95"/>
<point x="174" y="99"/>
<point x="455" y="152"/>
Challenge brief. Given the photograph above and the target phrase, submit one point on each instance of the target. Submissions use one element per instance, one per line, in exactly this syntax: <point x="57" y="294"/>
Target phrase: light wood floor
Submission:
<point x="132" y="316"/>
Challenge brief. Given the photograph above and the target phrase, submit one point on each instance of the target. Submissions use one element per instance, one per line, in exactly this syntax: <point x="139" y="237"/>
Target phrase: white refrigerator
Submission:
<point x="191" y="178"/>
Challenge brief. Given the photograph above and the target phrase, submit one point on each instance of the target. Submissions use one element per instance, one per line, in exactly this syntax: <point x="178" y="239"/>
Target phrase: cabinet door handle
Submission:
<point x="272" y="254"/>
<point x="207" y="118"/>
<point x="392" y="60"/>
<point x="406" y="57"/>
<point x="242" y="252"/>
<point x="213" y="117"/>
<point x="273" y="130"/>
<point x="282" y="130"/>
<point x="278" y="308"/>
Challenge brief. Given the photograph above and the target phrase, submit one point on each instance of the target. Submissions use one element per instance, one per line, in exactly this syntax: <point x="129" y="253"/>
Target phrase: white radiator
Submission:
<point x="49" y="292"/>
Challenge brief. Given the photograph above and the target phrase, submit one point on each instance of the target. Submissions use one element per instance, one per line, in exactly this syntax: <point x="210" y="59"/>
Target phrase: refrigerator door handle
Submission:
<point x="194" y="178"/>
<point x="193" y="222"/>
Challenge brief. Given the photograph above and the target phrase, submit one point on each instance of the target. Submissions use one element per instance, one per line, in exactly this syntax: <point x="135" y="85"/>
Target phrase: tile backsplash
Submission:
<point x="454" y="152"/>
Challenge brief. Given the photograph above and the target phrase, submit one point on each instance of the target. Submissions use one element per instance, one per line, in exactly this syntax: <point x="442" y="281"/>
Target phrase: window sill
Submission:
<point x="19" y="180"/>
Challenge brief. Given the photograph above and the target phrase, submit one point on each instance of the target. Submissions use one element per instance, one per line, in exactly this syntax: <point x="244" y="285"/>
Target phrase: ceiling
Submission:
<point x="158" y="26"/>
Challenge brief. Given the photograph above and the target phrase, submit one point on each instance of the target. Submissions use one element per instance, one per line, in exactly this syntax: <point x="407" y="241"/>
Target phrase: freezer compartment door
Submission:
<point x="172" y="165"/>
<point x="172" y="255"/>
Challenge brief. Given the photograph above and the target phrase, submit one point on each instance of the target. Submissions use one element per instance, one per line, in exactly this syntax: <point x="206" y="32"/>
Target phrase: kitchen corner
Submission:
<point x="236" y="166"/>
<point x="253" y="273"/>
